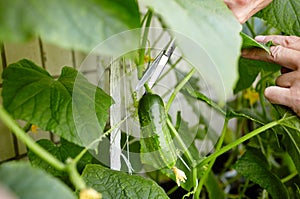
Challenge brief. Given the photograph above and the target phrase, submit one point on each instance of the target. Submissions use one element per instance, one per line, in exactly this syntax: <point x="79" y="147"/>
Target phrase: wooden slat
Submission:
<point x="79" y="57"/>
<point x="56" y="58"/>
<point x="6" y="143"/>
<point x="115" y="117"/>
<point x="16" y="52"/>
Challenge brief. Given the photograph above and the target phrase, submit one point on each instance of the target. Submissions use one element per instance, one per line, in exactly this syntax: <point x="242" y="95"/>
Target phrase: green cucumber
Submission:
<point x="157" y="147"/>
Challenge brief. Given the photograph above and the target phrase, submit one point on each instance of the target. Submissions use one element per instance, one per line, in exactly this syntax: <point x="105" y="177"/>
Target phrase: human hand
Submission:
<point x="244" y="9"/>
<point x="287" y="54"/>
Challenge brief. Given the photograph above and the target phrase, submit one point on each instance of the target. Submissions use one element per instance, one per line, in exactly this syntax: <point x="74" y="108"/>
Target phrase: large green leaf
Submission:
<point x="284" y="15"/>
<point x="249" y="42"/>
<point x="31" y="94"/>
<point x="115" y="184"/>
<point x="32" y="183"/>
<point x="73" y="24"/>
<point x="208" y="35"/>
<point x="291" y="130"/>
<point x="248" y="71"/>
<point x="200" y="96"/>
<point x="62" y="151"/>
<point x="291" y="142"/>
<point x="254" y="167"/>
<point x="213" y="187"/>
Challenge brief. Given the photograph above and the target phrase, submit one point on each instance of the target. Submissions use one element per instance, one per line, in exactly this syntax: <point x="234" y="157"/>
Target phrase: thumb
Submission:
<point x="279" y="95"/>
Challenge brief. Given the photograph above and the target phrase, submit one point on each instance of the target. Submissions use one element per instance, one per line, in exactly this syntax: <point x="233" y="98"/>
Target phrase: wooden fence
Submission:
<point x="47" y="56"/>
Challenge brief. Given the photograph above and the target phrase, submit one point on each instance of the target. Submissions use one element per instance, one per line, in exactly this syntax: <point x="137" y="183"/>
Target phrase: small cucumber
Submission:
<point x="157" y="147"/>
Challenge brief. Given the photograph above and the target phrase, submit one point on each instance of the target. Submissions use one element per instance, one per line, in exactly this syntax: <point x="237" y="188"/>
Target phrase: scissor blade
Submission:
<point x="156" y="67"/>
<point x="149" y="72"/>
<point x="159" y="69"/>
<point x="162" y="63"/>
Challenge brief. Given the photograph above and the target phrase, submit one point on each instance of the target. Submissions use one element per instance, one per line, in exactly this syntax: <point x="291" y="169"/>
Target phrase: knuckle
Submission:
<point x="289" y="41"/>
<point x="275" y="52"/>
<point x="242" y="2"/>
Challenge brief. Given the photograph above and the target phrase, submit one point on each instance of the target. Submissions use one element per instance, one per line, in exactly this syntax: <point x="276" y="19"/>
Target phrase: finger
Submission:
<point x="292" y="42"/>
<point x="278" y="95"/>
<point x="286" y="80"/>
<point x="289" y="97"/>
<point x="257" y="54"/>
<point x="285" y="56"/>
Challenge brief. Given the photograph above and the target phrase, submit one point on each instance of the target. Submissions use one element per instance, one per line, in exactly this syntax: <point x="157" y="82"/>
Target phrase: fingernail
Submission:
<point x="260" y="38"/>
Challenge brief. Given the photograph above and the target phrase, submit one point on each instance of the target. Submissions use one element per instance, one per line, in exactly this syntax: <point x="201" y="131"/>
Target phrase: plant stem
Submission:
<point x="140" y="66"/>
<point x="238" y="141"/>
<point x="172" y="190"/>
<point x="26" y="139"/>
<point x="195" y="178"/>
<point x="81" y="154"/>
<point x="261" y="87"/>
<point x="178" y="88"/>
<point x="219" y="145"/>
<point x="289" y="177"/>
<point x="181" y="143"/>
<point x="27" y="127"/>
<point x="75" y="178"/>
<point x="170" y="69"/>
<point x="147" y="88"/>
<point x="242" y="193"/>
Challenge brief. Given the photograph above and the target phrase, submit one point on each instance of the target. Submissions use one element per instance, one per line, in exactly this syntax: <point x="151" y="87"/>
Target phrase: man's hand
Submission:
<point x="286" y="52"/>
<point x="244" y="9"/>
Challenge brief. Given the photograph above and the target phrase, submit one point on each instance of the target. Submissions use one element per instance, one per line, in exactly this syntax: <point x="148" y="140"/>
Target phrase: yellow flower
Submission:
<point x="251" y="95"/>
<point x="34" y="128"/>
<point x="147" y="58"/>
<point x="180" y="175"/>
<point x="89" y="194"/>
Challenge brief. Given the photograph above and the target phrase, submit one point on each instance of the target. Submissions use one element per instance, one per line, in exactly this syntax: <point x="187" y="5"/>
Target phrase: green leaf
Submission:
<point x="69" y="106"/>
<point x="283" y="15"/>
<point x="32" y="183"/>
<point x="249" y="42"/>
<point x="254" y="167"/>
<point x="291" y="139"/>
<point x="248" y="71"/>
<point x="72" y="24"/>
<point x="247" y="113"/>
<point x="208" y="35"/>
<point x="115" y="184"/>
<point x="213" y="187"/>
<point x="202" y="97"/>
<point x="62" y="151"/>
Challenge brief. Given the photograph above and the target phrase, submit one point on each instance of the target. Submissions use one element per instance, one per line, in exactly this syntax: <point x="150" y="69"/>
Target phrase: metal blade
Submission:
<point x="159" y="69"/>
<point x="162" y="63"/>
<point x="149" y="72"/>
<point x="157" y="66"/>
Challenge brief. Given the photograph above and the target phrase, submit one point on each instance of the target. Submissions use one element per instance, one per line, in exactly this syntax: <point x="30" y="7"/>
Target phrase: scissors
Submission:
<point x="157" y="66"/>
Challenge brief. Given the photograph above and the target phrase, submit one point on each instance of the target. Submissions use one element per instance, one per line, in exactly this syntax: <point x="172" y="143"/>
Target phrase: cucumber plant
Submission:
<point x="258" y="157"/>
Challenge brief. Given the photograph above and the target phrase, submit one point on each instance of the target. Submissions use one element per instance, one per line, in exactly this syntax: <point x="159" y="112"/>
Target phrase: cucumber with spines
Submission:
<point x="157" y="147"/>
